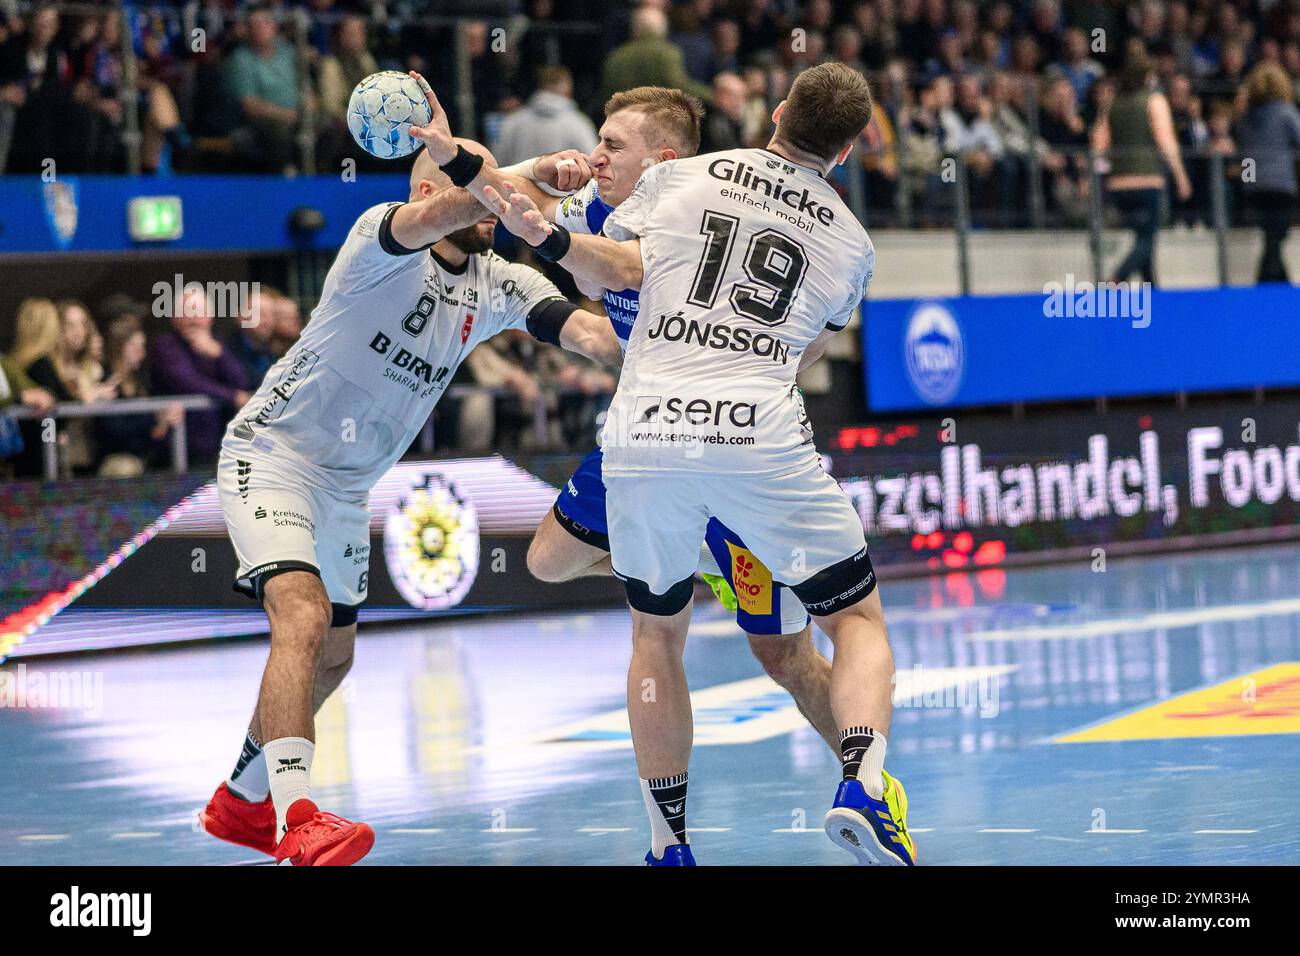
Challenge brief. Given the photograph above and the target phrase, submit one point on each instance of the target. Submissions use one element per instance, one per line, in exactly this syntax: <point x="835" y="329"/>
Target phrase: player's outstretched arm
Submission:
<point x="594" y="260"/>
<point x="566" y="170"/>
<point x="592" y="335"/>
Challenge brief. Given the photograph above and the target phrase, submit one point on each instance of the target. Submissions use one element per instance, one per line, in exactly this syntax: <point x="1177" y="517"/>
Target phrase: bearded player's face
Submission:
<point x="476" y="238"/>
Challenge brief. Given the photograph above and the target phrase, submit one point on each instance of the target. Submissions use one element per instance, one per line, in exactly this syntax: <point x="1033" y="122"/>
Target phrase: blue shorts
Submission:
<point x="766" y="607"/>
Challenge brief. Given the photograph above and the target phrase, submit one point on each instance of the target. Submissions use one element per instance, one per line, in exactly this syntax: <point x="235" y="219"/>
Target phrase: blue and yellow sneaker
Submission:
<point x="721" y="590"/>
<point x="679" y="854"/>
<point x="875" y="831"/>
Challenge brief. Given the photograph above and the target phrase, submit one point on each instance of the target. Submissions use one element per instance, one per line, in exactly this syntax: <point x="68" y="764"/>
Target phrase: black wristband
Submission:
<point x="555" y="246"/>
<point x="463" y="167"/>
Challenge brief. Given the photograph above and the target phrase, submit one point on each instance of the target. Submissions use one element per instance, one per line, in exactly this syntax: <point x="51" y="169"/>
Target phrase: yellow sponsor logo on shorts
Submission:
<point x="751" y="580"/>
<point x="1261" y="702"/>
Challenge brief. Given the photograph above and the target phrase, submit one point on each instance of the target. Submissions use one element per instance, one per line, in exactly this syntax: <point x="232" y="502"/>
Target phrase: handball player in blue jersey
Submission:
<point x="643" y="127"/>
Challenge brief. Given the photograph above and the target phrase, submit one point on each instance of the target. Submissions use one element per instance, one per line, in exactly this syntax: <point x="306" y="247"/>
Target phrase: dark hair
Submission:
<point x="828" y="107"/>
<point x="1136" y="72"/>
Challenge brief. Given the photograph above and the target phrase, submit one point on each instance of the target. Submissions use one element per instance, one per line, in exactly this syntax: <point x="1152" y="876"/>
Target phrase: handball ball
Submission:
<point x="380" y="113"/>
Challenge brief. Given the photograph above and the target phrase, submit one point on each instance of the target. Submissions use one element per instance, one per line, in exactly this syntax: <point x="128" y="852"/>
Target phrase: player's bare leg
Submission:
<point x="869" y="817"/>
<point x="659" y="712"/>
<point x="308" y="660"/>
<point x="793" y="662"/>
<point x="555" y="555"/>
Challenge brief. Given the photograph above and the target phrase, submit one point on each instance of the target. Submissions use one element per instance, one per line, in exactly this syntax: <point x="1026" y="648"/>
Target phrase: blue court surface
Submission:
<point x="1146" y="714"/>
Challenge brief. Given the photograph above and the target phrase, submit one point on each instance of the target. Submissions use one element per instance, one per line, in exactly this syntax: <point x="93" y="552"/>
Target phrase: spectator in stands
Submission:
<point x="17" y="389"/>
<point x="190" y="360"/>
<point x="726" y="45"/>
<point x="1064" y="134"/>
<point x="1077" y="66"/>
<point x="262" y="78"/>
<point x="648" y="59"/>
<point x="1137" y="132"/>
<point x="968" y="132"/>
<point x="724" y="114"/>
<point x="344" y="68"/>
<point x="34" y="79"/>
<point x="1194" y="140"/>
<point x="252" y="343"/>
<point x="288" y="326"/>
<point x="1269" y="135"/>
<point x="692" y="36"/>
<point x="129" y="444"/>
<point x="549" y="122"/>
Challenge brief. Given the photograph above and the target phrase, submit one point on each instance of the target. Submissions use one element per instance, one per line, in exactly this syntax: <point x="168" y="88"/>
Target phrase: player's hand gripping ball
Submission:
<point x="382" y="110"/>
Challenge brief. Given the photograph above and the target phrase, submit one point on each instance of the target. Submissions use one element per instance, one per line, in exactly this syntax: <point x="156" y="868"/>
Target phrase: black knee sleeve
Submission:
<point x="841" y="585"/>
<point x="642" y="599"/>
<point x="343" y="615"/>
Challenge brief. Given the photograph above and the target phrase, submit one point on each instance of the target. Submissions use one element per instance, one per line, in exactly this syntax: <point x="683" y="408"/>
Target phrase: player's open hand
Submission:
<point x="518" y="214"/>
<point x="436" y="137"/>
<point x="567" y="170"/>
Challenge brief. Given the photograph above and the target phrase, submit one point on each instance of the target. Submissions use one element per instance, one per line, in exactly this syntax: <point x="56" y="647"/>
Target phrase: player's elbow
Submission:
<point x="630" y="272"/>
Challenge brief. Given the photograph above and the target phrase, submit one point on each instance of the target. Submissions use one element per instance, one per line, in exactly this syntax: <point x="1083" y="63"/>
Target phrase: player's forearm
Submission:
<point x="417" y="224"/>
<point x="505" y="184"/>
<point x="605" y="262"/>
<point x="592" y="335"/>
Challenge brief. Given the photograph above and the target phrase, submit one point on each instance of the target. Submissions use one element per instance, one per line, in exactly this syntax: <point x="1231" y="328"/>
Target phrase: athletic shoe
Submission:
<point x="316" y="838"/>
<point x="229" y="818"/>
<point x="679" y="854"/>
<point x="721" y="590"/>
<point x="875" y="831"/>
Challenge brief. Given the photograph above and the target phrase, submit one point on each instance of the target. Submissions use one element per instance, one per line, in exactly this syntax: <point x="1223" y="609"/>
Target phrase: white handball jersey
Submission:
<point x="391" y="327"/>
<point x="747" y="258"/>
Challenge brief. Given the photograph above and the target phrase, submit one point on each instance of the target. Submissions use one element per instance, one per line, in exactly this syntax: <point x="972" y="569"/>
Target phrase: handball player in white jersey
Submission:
<point x="412" y="291"/>
<point x="747" y="261"/>
<point x="643" y="127"/>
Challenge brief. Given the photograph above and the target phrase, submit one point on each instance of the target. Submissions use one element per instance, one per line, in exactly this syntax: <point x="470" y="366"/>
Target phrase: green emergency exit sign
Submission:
<point x="154" y="218"/>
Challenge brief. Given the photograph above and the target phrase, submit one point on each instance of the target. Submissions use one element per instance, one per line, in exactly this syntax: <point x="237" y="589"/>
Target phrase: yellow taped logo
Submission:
<point x="751" y="580"/>
<point x="1262" y="702"/>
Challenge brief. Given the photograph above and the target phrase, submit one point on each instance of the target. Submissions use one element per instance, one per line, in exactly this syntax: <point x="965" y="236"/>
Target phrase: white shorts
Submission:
<point x="278" y="523"/>
<point x="798" y="525"/>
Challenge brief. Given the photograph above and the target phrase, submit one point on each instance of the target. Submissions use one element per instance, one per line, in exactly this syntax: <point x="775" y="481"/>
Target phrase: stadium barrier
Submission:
<point x="1077" y="341"/>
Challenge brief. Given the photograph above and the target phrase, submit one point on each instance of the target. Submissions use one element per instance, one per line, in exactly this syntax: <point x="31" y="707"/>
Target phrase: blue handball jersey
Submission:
<point x="585" y="212"/>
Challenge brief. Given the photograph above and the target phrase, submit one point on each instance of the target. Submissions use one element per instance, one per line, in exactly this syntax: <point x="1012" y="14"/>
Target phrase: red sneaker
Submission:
<point x="316" y="838"/>
<point x="249" y="824"/>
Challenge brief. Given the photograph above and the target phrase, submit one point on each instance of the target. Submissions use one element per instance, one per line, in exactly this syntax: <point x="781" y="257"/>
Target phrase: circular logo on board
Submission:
<point x="934" y="353"/>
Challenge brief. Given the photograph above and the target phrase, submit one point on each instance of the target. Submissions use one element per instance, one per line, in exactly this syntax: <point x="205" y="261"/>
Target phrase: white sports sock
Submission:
<point x="248" y="780"/>
<point x="661" y="832"/>
<point x="873" y="762"/>
<point x="288" y="762"/>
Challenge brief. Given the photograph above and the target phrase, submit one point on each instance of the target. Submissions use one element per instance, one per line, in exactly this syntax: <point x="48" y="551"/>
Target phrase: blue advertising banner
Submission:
<point x="218" y="213"/>
<point x="1076" y="341"/>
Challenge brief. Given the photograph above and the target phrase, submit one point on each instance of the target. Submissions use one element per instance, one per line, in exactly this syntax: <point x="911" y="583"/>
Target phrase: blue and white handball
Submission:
<point x="380" y="113"/>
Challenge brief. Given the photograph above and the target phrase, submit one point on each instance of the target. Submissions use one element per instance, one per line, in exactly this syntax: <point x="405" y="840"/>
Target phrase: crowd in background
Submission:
<point x="993" y="83"/>
<point x="1185" y="102"/>
<point x="60" y="353"/>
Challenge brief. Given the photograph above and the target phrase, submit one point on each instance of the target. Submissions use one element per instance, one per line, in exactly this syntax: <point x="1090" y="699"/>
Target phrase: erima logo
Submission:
<point x="719" y="337"/>
<point x="747" y="177"/>
<point x="243" y="469"/>
<point x="696" y="411"/>
<point x="408" y="361"/>
<point x="290" y="763"/>
<point x="674" y="810"/>
<point x="74" y="909"/>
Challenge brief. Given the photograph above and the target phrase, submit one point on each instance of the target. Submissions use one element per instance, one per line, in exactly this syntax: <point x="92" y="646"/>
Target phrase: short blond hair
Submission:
<point x="675" y="115"/>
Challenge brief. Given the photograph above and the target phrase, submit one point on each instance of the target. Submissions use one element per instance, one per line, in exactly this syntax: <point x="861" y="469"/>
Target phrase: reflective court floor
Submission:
<point x="1145" y="714"/>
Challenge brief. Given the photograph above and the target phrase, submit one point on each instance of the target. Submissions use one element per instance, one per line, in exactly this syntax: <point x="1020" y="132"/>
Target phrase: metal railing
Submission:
<point x="124" y="406"/>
